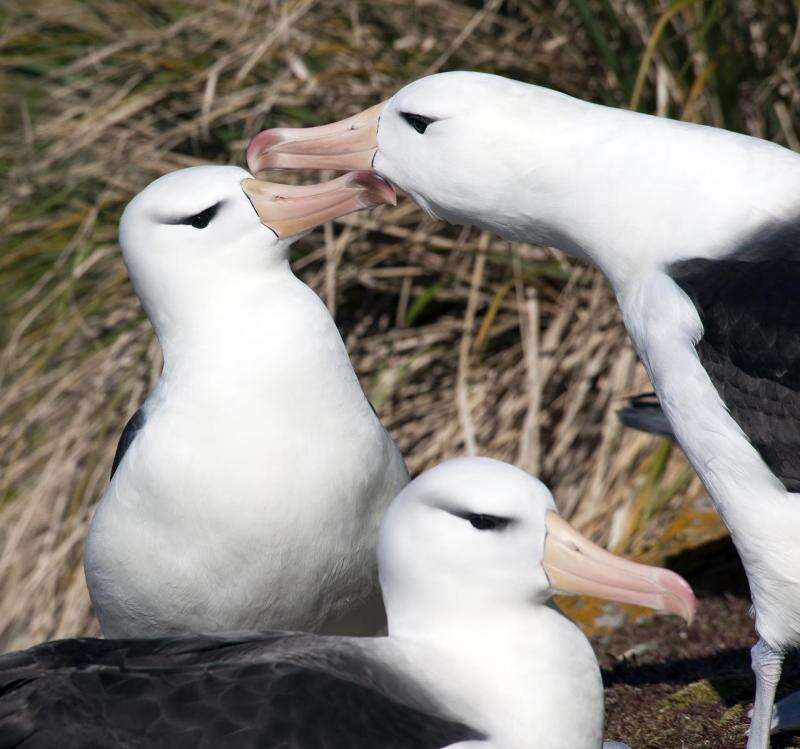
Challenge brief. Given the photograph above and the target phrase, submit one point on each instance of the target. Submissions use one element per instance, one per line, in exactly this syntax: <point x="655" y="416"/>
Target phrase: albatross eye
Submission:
<point x="487" y="522"/>
<point x="417" y="121"/>
<point x="200" y="220"/>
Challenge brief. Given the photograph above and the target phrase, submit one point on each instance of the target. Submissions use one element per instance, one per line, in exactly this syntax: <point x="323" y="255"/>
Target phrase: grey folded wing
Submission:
<point x="248" y="690"/>
<point x="749" y="305"/>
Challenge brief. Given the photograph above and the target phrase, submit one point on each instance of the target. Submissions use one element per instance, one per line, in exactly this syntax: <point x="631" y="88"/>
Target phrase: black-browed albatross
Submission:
<point x="697" y="230"/>
<point x="476" y="655"/>
<point x="247" y="490"/>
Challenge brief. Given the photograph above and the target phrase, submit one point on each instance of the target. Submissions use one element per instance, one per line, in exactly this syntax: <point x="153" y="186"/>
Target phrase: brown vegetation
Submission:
<point x="462" y="341"/>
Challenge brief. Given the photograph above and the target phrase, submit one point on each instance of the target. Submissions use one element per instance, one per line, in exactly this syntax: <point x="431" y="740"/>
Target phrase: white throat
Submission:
<point x="258" y="442"/>
<point x="529" y="678"/>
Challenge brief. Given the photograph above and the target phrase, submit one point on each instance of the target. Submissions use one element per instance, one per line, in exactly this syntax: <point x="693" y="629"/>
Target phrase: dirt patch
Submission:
<point x="669" y="687"/>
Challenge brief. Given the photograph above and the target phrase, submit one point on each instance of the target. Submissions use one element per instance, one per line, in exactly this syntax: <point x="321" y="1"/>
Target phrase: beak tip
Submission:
<point x="388" y="193"/>
<point x="376" y="190"/>
<point x="258" y="150"/>
<point x="687" y="610"/>
<point x="690" y="614"/>
<point x="681" y="599"/>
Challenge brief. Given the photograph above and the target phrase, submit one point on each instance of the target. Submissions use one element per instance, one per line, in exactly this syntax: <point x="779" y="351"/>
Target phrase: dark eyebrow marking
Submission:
<point x="197" y="220"/>
<point x="417" y="121"/>
<point x="482" y="521"/>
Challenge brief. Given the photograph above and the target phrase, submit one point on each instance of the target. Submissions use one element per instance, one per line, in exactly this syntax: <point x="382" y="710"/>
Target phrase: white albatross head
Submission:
<point x="196" y="238"/>
<point x="627" y="191"/>
<point x="476" y="536"/>
<point x="470" y="148"/>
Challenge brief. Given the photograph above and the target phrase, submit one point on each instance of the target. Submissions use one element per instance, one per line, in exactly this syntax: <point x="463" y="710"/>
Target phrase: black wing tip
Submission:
<point x="134" y="424"/>
<point x="643" y="413"/>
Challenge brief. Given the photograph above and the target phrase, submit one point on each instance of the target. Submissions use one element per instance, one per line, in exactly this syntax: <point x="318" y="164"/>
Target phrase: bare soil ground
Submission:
<point x="669" y="687"/>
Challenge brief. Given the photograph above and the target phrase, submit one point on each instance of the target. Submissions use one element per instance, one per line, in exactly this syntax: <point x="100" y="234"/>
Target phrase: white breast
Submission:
<point x="252" y="496"/>
<point x="533" y="685"/>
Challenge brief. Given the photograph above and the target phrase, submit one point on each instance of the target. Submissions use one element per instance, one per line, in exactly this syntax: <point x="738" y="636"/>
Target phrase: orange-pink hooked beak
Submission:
<point x="292" y="209"/>
<point x="347" y="144"/>
<point x="576" y="565"/>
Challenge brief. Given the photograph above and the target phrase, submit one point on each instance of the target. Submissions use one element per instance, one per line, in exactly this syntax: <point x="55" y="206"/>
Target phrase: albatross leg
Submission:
<point x="766" y="663"/>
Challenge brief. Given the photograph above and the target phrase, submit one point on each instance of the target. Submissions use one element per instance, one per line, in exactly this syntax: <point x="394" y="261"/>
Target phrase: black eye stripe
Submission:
<point x="487" y="522"/>
<point x="417" y="121"/>
<point x="484" y="522"/>
<point x="480" y="520"/>
<point x="199" y="220"/>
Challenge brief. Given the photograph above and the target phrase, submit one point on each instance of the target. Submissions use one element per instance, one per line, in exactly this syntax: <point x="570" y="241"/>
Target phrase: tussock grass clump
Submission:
<point x="462" y="341"/>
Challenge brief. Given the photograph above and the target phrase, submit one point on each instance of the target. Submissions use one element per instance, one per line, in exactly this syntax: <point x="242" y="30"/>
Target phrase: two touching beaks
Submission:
<point x="573" y="564"/>
<point x="347" y="145"/>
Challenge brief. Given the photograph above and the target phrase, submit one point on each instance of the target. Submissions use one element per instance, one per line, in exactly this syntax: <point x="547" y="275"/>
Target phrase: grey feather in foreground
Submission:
<point x="274" y="689"/>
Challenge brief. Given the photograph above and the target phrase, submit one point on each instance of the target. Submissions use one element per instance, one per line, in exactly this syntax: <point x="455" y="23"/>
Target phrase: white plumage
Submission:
<point x="251" y="496"/>
<point x="476" y="655"/>
<point x="636" y="195"/>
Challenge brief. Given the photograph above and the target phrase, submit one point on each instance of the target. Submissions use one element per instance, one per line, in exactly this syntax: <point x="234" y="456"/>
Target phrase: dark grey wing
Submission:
<point x="749" y="303"/>
<point x="644" y="413"/>
<point x="252" y="690"/>
<point x="135" y="423"/>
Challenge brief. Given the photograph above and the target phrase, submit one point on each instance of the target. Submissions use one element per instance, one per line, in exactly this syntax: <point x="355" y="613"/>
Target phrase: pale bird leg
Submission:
<point x="767" y="664"/>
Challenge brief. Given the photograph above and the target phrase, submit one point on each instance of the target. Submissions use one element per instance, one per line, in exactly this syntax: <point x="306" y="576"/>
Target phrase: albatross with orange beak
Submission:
<point x="476" y="657"/>
<point x="246" y="492"/>
<point x="698" y="231"/>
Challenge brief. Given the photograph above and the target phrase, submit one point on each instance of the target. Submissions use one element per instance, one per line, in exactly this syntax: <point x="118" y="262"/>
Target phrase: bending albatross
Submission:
<point x="476" y="655"/>
<point x="247" y="491"/>
<point x="698" y="231"/>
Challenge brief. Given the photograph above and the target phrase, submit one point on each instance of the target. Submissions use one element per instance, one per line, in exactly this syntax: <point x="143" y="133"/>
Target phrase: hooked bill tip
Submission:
<point x="679" y="596"/>
<point x="376" y="188"/>
<point x="259" y="147"/>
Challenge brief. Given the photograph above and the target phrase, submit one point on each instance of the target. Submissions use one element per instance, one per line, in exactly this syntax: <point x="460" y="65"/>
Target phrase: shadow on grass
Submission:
<point x="728" y="672"/>
<point x="723" y="680"/>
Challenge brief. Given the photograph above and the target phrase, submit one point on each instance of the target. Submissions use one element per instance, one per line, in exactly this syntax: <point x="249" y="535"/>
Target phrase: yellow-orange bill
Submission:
<point x="347" y="144"/>
<point x="293" y="209"/>
<point x="576" y="565"/>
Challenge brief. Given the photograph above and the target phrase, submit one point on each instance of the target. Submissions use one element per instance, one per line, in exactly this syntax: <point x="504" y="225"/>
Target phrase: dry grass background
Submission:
<point x="462" y="341"/>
